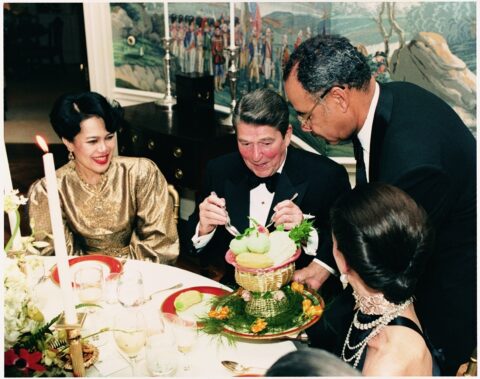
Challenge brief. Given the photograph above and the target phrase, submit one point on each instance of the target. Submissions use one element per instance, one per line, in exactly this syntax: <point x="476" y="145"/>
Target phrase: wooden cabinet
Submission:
<point x="179" y="142"/>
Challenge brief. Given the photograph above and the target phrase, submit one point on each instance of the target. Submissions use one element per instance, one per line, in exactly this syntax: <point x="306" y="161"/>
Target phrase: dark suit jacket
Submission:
<point x="419" y="144"/>
<point x="317" y="179"/>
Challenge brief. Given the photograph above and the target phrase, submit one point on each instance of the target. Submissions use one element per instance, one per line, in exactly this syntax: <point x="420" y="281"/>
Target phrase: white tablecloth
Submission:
<point x="207" y="353"/>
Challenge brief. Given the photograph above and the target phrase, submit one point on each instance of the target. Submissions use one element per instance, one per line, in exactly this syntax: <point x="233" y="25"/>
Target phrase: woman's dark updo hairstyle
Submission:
<point x="71" y="109"/>
<point x="384" y="236"/>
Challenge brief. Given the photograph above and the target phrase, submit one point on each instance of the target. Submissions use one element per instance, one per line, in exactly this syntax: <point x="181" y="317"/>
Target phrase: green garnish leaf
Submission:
<point x="299" y="234"/>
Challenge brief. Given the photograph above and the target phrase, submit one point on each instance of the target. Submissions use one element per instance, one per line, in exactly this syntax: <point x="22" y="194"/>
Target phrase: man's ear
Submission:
<point x="341" y="96"/>
<point x="288" y="134"/>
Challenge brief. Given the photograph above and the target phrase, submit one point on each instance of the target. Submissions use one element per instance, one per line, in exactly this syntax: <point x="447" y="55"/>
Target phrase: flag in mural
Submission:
<point x="255" y="18"/>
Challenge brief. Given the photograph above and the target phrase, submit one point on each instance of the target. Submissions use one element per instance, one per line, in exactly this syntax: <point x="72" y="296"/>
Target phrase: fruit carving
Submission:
<point x="258" y="248"/>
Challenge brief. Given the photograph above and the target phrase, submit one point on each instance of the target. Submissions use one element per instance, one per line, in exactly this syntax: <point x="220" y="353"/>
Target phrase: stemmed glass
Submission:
<point x="130" y="334"/>
<point x="130" y="291"/>
<point x="161" y="353"/>
<point x="89" y="284"/>
<point x="185" y="332"/>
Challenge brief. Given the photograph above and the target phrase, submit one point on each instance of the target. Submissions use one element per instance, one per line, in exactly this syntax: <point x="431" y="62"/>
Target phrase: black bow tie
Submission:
<point x="270" y="181"/>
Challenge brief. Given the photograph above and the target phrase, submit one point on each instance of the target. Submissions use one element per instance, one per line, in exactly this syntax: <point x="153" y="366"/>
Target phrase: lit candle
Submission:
<point x="165" y="18"/>
<point x="64" y="274"/>
<point x="232" y="24"/>
<point x="7" y="188"/>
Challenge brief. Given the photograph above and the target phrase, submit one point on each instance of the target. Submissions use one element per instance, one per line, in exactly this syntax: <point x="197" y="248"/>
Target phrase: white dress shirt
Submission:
<point x="260" y="203"/>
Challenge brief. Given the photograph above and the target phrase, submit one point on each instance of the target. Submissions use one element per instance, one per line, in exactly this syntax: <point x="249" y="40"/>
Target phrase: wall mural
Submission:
<point x="430" y="44"/>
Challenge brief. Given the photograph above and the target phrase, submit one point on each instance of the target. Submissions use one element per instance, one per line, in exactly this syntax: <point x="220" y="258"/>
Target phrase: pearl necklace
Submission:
<point x="373" y="305"/>
<point x="377" y="326"/>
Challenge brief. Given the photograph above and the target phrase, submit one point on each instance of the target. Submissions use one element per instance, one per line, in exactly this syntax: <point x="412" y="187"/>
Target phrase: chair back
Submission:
<point x="176" y="201"/>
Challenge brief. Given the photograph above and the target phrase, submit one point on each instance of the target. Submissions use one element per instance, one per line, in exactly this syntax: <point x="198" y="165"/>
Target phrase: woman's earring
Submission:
<point x="71" y="157"/>
<point x="344" y="280"/>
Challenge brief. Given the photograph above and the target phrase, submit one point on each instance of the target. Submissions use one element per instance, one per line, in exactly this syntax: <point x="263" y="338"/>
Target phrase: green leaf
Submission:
<point x="299" y="234"/>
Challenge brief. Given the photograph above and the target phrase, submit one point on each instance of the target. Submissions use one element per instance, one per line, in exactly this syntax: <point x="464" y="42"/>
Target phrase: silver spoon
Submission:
<point x="271" y="220"/>
<point x="238" y="368"/>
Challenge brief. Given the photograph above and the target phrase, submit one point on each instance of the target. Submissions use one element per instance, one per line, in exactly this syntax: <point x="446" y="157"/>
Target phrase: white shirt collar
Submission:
<point x="365" y="133"/>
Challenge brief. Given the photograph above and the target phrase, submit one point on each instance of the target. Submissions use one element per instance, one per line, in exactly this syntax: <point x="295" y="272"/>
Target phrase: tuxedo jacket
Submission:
<point x="420" y="144"/>
<point x="318" y="181"/>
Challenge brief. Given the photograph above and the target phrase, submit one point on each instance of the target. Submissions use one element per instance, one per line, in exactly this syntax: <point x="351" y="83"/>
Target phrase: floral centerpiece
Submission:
<point x="32" y="347"/>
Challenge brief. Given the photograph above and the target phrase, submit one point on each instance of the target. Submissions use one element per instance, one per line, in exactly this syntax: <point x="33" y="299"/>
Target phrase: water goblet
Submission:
<point x="185" y="332"/>
<point x="130" y="291"/>
<point x="130" y="334"/>
<point x="161" y="352"/>
<point x="111" y="284"/>
<point x="89" y="285"/>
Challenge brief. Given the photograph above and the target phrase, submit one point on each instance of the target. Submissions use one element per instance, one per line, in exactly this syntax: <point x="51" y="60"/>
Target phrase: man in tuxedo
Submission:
<point x="405" y="136"/>
<point x="259" y="180"/>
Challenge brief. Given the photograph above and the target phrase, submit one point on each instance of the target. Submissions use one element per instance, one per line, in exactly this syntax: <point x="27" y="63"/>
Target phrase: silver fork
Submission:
<point x="228" y="226"/>
<point x="271" y="220"/>
<point x="178" y="285"/>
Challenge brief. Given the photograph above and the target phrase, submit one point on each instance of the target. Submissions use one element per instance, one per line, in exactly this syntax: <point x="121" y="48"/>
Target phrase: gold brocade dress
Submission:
<point x="127" y="214"/>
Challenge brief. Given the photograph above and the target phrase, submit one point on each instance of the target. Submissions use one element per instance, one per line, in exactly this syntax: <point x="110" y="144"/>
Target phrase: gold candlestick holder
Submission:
<point x="75" y="342"/>
<point x="169" y="100"/>
<point x="232" y="76"/>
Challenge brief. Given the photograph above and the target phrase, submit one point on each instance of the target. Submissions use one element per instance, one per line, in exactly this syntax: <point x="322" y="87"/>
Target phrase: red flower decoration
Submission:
<point x="24" y="361"/>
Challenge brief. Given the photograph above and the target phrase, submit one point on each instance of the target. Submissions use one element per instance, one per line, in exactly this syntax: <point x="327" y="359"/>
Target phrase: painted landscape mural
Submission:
<point x="432" y="44"/>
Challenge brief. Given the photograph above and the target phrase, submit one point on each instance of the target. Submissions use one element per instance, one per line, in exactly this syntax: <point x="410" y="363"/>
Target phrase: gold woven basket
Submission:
<point x="265" y="281"/>
<point x="265" y="307"/>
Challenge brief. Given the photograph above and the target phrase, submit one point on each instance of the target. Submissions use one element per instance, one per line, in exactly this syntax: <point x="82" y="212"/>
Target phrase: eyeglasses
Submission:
<point x="305" y="118"/>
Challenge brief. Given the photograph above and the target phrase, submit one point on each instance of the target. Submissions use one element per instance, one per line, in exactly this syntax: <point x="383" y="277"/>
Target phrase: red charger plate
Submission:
<point x="168" y="304"/>
<point x="113" y="264"/>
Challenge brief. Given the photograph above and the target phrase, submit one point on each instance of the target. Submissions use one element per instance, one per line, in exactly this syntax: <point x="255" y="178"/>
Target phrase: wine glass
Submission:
<point x="130" y="291"/>
<point x="161" y="353"/>
<point x="185" y="332"/>
<point x="130" y="334"/>
<point x="89" y="285"/>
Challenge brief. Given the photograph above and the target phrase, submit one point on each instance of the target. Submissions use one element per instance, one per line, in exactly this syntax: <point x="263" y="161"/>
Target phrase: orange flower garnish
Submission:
<point x="220" y="314"/>
<point x="311" y="310"/>
<point x="306" y="304"/>
<point x="258" y="325"/>
<point x="297" y="287"/>
<point x="316" y="310"/>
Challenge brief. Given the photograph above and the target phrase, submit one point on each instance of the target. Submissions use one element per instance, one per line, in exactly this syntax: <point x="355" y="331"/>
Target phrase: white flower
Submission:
<point x="13" y="200"/>
<point x="278" y="295"/>
<point x="246" y="295"/>
<point x="18" y="305"/>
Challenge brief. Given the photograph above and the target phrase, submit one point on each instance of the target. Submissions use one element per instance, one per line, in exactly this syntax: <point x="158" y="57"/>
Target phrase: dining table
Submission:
<point x="208" y="351"/>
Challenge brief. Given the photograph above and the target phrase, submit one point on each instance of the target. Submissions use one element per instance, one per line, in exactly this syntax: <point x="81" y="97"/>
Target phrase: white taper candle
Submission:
<point x="165" y="18"/>
<point x="232" y="24"/>
<point x="59" y="244"/>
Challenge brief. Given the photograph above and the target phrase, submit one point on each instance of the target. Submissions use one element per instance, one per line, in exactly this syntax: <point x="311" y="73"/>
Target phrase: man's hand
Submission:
<point x="212" y="213"/>
<point x="288" y="214"/>
<point x="314" y="275"/>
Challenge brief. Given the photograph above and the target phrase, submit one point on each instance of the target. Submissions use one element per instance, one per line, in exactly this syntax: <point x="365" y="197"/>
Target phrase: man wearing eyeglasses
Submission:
<point x="405" y="136"/>
<point x="267" y="180"/>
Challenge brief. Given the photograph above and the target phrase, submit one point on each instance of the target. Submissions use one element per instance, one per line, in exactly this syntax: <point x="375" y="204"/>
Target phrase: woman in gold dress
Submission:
<point x="111" y="205"/>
